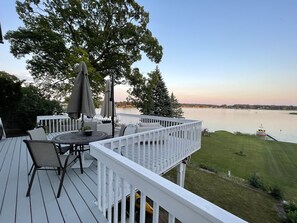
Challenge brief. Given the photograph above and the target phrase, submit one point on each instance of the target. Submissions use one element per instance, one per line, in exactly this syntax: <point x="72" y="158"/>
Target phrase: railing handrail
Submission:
<point x="164" y="147"/>
<point x="181" y="120"/>
<point x="183" y="204"/>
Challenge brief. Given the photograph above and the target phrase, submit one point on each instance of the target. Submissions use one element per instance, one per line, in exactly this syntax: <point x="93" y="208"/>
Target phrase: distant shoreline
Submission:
<point x="236" y="106"/>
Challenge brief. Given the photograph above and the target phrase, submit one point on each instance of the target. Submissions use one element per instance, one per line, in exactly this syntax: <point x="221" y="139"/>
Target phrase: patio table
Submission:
<point x="79" y="140"/>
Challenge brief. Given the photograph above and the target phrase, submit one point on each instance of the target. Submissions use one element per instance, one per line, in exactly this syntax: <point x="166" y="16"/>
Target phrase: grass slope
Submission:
<point x="246" y="203"/>
<point x="274" y="162"/>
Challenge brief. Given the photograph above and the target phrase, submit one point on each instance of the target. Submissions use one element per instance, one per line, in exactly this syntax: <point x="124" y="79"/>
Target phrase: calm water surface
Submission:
<point x="279" y="124"/>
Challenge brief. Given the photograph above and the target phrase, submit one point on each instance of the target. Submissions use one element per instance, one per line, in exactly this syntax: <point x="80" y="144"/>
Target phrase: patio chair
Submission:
<point x="45" y="157"/>
<point x="130" y="129"/>
<point x="122" y="130"/>
<point x="39" y="134"/>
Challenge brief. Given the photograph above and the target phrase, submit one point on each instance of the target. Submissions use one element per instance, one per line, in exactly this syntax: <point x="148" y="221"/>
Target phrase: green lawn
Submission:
<point x="274" y="162"/>
<point x="246" y="203"/>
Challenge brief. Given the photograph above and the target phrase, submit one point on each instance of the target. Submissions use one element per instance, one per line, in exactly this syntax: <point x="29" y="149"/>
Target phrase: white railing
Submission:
<point x="125" y="165"/>
<point x="58" y="123"/>
<point x="158" y="150"/>
<point x="62" y="123"/>
<point x="118" y="180"/>
<point x="161" y="149"/>
<point x="164" y="121"/>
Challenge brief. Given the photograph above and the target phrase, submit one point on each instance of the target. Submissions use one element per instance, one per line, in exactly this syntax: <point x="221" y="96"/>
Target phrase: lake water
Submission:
<point x="279" y="124"/>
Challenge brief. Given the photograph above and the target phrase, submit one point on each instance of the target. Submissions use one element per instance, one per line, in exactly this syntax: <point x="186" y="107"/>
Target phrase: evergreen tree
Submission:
<point x="176" y="107"/>
<point x="150" y="95"/>
<point x="140" y="93"/>
<point x="160" y="95"/>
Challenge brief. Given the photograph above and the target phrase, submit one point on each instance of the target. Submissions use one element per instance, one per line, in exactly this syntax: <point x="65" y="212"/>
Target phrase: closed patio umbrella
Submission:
<point x="108" y="108"/>
<point x="81" y="101"/>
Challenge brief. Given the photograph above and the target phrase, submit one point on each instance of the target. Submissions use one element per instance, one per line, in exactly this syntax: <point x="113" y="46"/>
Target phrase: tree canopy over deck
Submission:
<point x="109" y="35"/>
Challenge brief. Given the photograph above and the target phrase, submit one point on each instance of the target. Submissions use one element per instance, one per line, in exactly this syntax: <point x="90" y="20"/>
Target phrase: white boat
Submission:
<point x="261" y="131"/>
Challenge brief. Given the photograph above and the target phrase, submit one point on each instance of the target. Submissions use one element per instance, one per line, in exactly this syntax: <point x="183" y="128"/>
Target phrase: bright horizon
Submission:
<point x="214" y="52"/>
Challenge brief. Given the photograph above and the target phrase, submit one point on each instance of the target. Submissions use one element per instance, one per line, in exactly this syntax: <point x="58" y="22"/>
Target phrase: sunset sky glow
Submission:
<point x="214" y="52"/>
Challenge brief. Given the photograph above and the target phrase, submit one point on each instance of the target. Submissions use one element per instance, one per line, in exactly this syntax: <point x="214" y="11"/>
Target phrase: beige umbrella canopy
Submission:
<point x="81" y="101"/>
<point x="106" y="110"/>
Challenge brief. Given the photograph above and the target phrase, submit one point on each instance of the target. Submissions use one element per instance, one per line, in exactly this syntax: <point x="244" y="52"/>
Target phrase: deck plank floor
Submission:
<point x="76" y="203"/>
<point x="79" y="191"/>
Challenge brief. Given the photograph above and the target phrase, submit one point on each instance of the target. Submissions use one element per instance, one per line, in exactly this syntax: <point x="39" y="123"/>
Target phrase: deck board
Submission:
<point x="76" y="203"/>
<point x="79" y="191"/>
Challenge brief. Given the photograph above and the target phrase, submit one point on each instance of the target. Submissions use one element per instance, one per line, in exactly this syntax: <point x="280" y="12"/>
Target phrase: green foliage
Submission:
<point x="292" y="217"/>
<point x="86" y="127"/>
<point x="290" y="206"/>
<point x="291" y="211"/>
<point x="256" y="182"/>
<point x="108" y="35"/>
<point x="32" y="104"/>
<point x="150" y="95"/>
<point x="159" y="94"/>
<point x="140" y="95"/>
<point x="276" y="192"/>
<point x="205" y="167"/>
<point x="19" y="105"/>
<point x="177" y="110"/>
<point x="11" y="94"/>
<point x="240" y="153"/>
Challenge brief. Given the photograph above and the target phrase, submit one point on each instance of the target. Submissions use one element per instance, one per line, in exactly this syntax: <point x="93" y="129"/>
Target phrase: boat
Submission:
<point x="261" y="131"/>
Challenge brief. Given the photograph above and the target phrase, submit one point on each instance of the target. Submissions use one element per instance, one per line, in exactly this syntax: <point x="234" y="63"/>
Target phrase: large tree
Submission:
<point x="160" y="95"/>
<point x="109" y="35"/>
<point x="150" y="95"/>
<point x="11" y="94"/>
<point x="141" y="94"/>
<point x="19" y="105"/>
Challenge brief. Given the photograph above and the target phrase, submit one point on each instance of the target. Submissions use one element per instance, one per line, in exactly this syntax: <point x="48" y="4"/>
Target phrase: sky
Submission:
<point x="214" y="51"/>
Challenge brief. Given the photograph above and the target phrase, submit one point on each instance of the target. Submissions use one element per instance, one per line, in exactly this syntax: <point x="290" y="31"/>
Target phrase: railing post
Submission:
<point x="181" y="174"/>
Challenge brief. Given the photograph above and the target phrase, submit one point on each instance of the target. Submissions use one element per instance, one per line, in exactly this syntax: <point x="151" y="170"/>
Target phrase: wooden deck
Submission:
<point x="78" y="194"/>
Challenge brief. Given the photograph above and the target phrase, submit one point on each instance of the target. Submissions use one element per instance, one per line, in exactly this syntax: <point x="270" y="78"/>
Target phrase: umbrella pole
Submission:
<point x="82" y="120"/>
<point x="112" y="104"/>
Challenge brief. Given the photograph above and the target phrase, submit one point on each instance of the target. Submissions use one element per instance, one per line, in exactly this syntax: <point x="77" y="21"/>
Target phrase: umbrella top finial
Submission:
<point x="81" y="67"/>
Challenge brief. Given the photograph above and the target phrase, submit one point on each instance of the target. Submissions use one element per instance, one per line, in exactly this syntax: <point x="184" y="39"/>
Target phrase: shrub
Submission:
<point x="256" y="182"/>
<point x="203" y="166"/>
<point x="240" y="153"/>
<point x="292" y="216"/>
<point x="32" y="104"/>
<point x="277" y="193"/>
<point x="291" y="212"/>
<point x="291" y="206"/>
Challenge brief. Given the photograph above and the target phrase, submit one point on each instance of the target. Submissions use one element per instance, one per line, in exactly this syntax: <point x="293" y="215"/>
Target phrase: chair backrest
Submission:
<point x="43" y="153"/>
<point x="37" y="134"/>
<point x="130" y="129"/>
<point x="122" y="130"/>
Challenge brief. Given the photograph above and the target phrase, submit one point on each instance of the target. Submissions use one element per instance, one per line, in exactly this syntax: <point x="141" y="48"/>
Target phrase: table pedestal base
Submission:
<point x="85" y="164"/>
